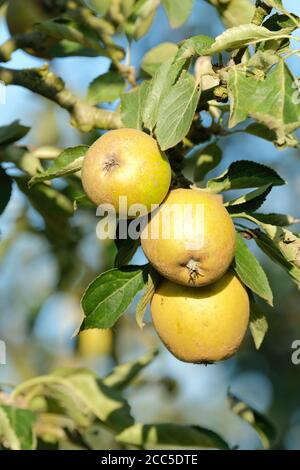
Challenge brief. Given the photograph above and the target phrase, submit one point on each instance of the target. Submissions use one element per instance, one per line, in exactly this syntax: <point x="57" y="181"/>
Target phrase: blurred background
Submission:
<point x="41" y="281"/>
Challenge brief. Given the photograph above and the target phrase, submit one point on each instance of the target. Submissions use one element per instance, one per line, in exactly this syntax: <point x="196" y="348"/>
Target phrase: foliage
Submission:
<point x="253" y="91"/>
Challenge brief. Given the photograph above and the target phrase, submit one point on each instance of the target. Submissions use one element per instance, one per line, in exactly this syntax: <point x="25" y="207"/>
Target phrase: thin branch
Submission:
<point x="45" y="83"/>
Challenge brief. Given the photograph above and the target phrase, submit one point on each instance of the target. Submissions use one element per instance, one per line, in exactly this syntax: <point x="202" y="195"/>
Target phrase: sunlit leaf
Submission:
<point x="177" y="111"/>
<point x="258" y="421"/>
<point x="250" y="271"/>
<point x="109" y="295"/>
<point x="69" y="161"/>
<point x="171" y="436"/>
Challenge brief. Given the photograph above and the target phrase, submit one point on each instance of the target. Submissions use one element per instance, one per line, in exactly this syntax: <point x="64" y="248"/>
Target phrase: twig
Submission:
<point x="45" y="83"/>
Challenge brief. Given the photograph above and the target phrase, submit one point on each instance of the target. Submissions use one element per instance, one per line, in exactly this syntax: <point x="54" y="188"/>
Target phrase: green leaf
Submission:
<point x="263" y="60"/>
<point x="65" y="48"/>
<point x="158" y="55"/>
<point x="16" y="428"/>
<point x="178" y="11"/>
<point x="109" y="295"/>
<point x="11" y="133"/>
<point x="159" y="86"/>
<point x="153" y="281"/>
<point x="258" y="324"/>
<point x="69" y="30"/>
<point x="271" y="101"/>
<point x="195" y="45"/>
<point x="244" y="174"/>
<point x="278" y="22"/>
<point x="68" y="162"/>
<point x="208" y="158"/>
<point x="250" y="271"/>
<point x="272" y="251"/>
<point x="141" y="18"/>
<point x="280" y="220"/>
<point x="124" y="374"/>
<point x="249" y="202"/>
<point x="177" y="111"/>
<point x="5" y="189"/>
<point x="242" y="36"/>
<point x="104" y="402"/>
<point x="259" y="422"/>
<point x="106" y="88"/>
<point x="81" y="396"/>
<point x="132" y="106"/>
<point x="100" y="6"/>
<point x="234" y="12"/>
<point x="126" y="250"/>
<point x="274" y="4"/>
<point x="260" y="130"/>
<point x="287" y="242"/>
<point x="171" y="436"/>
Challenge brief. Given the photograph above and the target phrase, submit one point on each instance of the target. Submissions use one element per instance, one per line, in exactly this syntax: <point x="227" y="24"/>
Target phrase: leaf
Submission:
<point x="71" y="31"/>
<point x="141" y="18"/>
<point x="106" y="88"/>
<point x="126" y="250"/>
<point x="105" y="403"/>
<point x="124" y="374"/>
<point x="271" y="250"/>
<point x="178" y="11"/>
<point x="278" y="22"/>
<point x="177" y="111"/>
<point x="158" y="55"/>
<point x="260" y="130"/>
<point x="195" y="45"/>
<point x="16" y="428"/>
<point x="250" y="271"/>
<point x="274" y="4"/>
<point x="65" y="48"/>
<point x="109" y="295"/>
<point x="159" y="86"/>
<point x="234" y="12"/>
<point x="13" y="132"/>
<point x="249" y="202"/>
<point x="170" y="436"/>
<point x="244" y="174"/>
<point x="69" y="161"/>
<point x="259" y="422"/>
<point x="280" y="220"/>
<point x="271" y="101"/>
<point x="258" y="324"/>
<point x="100" y="6"/>
<point x="209" y="157"/>
<point x="5" y="189"/>
<point x="263" y="60"/>
<point x="80" y="395"/>
<point x="287" y="242"/>
<point x="153" y="281"/>
<point x="242" y="36"/>
<point x="132" y="105"/>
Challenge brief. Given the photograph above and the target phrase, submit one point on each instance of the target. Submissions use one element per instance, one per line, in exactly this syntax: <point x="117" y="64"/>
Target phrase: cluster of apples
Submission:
<point x="200" y="309"/>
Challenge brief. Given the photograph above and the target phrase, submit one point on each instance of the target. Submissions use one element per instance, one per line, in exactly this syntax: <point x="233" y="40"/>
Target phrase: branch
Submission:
<point x="45" y="83"/>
